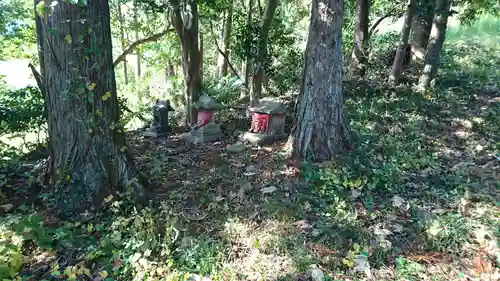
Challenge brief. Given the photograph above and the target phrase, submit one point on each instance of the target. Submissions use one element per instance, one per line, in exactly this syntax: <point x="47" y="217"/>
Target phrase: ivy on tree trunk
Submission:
<point x="88" y="154"/>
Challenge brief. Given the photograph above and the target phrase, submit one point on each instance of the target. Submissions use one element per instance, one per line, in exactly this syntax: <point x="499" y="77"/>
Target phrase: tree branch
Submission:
<point x="224" y="54"/>
<point x="379" y="20"/>
<point x="134" y="45"/>
<point x="38" y="78"/>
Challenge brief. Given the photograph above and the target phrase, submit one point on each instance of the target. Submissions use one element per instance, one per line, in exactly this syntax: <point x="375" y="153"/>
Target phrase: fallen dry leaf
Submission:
<point x="320" y="249"/>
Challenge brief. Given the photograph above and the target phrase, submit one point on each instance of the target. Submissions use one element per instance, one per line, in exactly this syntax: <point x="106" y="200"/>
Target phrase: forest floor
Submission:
<point x="417" y="199"/>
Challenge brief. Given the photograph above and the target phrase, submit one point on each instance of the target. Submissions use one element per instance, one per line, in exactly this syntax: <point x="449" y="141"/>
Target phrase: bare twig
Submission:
<point x="134" y="45"/>
<point x="224" y="54"/>
<point x="38" y="78"/>
<point x="379" y="20"/>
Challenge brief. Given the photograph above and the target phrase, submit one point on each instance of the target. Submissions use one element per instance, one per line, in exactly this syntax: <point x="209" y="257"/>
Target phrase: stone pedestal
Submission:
<point x="268" y="123"/>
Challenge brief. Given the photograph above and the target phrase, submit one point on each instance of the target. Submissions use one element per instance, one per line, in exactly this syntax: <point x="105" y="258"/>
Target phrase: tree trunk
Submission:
<point x="260" y="60"/>
<point x="200" y="41"/>
<point x="246" y="66"/>
<point x="359" y="52"/>
<point x="170" y="69"/>
<point x="87" y="145"/>
<point x="228" y="26"/>
<point x="137" y="51"/>
<point x="320" y="128"/>
<point x="218" y="56"/>
<point x="397" y="65"/>
<point x="436" y="40"/>
<point x="191" y="56"/>
<point x="421" y="28"/>
<point x="123" y="42"/>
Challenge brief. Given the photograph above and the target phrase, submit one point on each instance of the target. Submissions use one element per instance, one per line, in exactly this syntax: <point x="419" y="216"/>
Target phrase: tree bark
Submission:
<point x="397" y="65"/>
<point x="87" y="145"/>
<point x="436" y="40"/>
<point x="218" y="56"/>
<point x="228" y="26"/>
<point x="123" y="42"/>
<point x="320" y="127"/>
<point x="191" y="57"/>
<point x="246" y="66"/>
<point x="359" y="52"/>
<point x="260" y="60"/>
<point x="200" y="41"/>
<point x="421" y="29"/>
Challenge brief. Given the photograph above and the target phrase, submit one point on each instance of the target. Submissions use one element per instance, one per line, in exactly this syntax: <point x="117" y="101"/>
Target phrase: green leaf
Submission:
<point x="106" y="96"/>
<point x="68" y="38"/>
<point x="52" y="31"/>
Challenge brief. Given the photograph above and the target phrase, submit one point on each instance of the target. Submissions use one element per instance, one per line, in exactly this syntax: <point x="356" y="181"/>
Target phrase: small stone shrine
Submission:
<point x="268" y="123"/>
<point x="159" y="127"/>
<point x="206" y="129"/>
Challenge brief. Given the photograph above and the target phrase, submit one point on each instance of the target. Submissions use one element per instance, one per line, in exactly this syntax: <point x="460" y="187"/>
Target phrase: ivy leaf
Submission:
<point x="68" y="38"/>
<point x="106" y="96"/>
<point x="103" y="274"/>
<point x="91" y="86"/>
<point x="52" y="31"/>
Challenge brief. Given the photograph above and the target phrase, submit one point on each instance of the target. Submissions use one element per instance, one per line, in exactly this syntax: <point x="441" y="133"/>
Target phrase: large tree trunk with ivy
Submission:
<point x="246" y="66"/>
<point x="397" y="65"/>
<point x="187" y="29"/>
<point x="87" y="145"/>
<point x="421" y="28"/>
<point x="260" y="61"/>
<point x="320" y="128"/>
<point x="436" y="40"/>
<point x="360" y="50"/>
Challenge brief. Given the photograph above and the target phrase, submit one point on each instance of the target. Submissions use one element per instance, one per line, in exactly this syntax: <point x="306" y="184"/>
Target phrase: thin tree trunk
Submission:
<point x="218" y="56"/>
<point x="123" y="42"/>
<point x="40" y="37"/>
<point x="138" y="52"/>
<point x="260" y="60"/>
<point x="227" y="38"/>
<point x="87" y="146"/>
<point x="200" y="41"/>
<point x="320" y="129"/>
<point x="246" y="66"/>
<point x="169" y="69"/>
<point x="421" y="29"/>
<point x="191" y="56"/>
<point x="359" y="52"/>
<point x="397" y="65"/>
<point x="436" y="40"/>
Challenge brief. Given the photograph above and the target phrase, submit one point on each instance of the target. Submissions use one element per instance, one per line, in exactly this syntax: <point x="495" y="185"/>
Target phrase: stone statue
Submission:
<point x="159" y="127"/>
